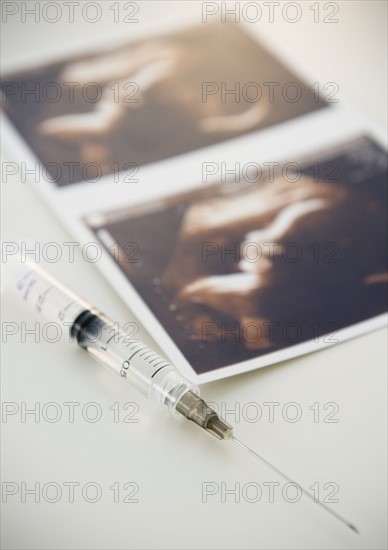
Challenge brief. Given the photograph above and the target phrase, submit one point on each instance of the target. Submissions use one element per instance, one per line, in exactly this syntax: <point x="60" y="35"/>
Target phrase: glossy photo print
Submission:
<point x="151" y="100"/>
<point x="236" y="271"/>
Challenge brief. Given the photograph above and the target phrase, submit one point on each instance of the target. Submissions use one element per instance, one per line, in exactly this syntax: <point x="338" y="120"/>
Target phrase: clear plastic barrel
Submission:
<point x="147" y="371"/>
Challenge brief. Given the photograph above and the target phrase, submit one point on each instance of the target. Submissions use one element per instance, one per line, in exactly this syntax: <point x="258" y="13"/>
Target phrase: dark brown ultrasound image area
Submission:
<point x="151" y="100"/>
<point x="202" y="263"/>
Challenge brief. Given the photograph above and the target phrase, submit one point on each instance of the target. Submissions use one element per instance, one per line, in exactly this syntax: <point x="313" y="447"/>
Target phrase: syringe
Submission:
<point x="146" y="370"/>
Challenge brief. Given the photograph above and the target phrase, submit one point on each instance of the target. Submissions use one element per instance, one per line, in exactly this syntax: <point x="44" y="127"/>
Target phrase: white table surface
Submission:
<point x="169" y="461"/>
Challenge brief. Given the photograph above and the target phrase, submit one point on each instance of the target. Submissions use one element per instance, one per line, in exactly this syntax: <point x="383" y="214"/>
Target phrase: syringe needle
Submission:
<point x="258" y="457"/>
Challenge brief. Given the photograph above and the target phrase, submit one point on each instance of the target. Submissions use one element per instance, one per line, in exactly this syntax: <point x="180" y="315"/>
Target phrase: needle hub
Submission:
<point x="195" y="409"/>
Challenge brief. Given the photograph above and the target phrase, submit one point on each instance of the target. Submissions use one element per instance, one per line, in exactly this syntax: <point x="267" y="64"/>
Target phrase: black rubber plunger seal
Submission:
<point x="83" y="320"/>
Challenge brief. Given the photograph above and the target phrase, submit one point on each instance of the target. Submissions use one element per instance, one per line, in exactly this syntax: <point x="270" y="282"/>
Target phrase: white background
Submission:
<point x="170" y="460"/>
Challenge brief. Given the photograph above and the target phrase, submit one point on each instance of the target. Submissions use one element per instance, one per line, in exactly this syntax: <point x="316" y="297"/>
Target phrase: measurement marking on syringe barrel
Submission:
<point x="20" y="283"/>
<point x="110" y="338"/>
<point x="42" y="297"/>
<point x="28" y="288"/>
<point x="164" y="366"/>
<point x="68" y="305"/>
<point x="158" y="363"/>
<point x="133" y="355"/>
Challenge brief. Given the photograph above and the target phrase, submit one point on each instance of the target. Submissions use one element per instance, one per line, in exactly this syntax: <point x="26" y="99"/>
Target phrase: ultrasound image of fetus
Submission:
<point x="150" y="100"/>
<point x="227" y="269"/>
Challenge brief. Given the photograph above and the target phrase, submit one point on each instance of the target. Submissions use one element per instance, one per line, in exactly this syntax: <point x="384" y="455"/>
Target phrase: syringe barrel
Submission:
<point x="147" y="371"/>
<point x="119" y="350"/>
